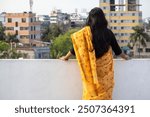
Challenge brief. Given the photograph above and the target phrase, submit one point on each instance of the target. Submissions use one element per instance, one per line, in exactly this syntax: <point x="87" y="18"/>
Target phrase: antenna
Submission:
<point x="31" y="4"/>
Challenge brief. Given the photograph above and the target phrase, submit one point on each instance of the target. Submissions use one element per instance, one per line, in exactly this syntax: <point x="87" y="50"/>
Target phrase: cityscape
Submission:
<point x="28" y="35"/>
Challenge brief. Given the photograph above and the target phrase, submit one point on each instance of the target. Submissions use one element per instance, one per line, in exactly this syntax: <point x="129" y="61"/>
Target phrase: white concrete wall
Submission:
<point x="56" y="79"/>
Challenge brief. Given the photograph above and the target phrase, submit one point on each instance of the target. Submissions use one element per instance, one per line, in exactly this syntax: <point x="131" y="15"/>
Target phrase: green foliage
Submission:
<point x="4" y="46"/>
<point x="11" y="38"/>
<point x="51" y="33"/>
<point x="139" y="36"/>
<point x="2" y="34"/>
<point x="61" y="44"/>
<point x="7" y="53"/>
<point x="8" y="38"/>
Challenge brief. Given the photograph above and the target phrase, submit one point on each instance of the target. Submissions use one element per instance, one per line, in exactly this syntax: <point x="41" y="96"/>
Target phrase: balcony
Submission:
<point x="56" y="79"/>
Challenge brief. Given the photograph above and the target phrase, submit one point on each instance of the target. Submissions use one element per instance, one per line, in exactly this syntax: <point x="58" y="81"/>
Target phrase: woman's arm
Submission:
<point x="68" y="55"/>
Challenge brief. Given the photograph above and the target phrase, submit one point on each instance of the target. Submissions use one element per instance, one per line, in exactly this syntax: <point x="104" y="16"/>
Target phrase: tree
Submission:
<point x="51" y="33"/>
<point x="11" y="38"/>
<point x="2" y="32"/>
<point x="6" y="52"/>
<point x="61" y="45"/>
<point x="140" y="37"/>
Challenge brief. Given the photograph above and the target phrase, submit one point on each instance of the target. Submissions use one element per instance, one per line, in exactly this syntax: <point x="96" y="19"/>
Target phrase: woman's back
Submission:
<point x="102" y="40"/>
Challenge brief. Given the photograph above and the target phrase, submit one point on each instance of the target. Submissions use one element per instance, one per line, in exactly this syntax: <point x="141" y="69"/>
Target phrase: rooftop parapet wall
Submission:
<point x="56" y="79"/>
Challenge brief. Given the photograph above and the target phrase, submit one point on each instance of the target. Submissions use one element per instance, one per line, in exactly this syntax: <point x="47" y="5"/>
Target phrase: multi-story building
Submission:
<point x="35" y="52"/>
<point x="45" y="19"/>
<point x="78" y="20"/>
<point x="24" y="25"/>
<point x="59" y="18"/>
<point x="45" y="22"/>
<point x="122" y="16"/>
<point x="2" y="17"/>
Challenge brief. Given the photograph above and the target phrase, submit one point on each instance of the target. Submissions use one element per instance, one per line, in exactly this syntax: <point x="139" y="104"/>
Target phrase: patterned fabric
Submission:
<point x="97" y="74"/>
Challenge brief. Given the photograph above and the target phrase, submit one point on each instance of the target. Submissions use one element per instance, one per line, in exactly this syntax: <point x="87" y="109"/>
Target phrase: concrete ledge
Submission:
<point x="56" y="79"/>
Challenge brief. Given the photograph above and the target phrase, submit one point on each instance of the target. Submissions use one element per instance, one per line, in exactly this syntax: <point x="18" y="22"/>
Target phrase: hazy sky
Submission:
<point x="45" y="6"/>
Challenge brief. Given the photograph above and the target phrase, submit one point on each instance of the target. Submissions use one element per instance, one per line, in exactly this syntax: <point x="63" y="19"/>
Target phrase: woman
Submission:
<point x="93" y="47"/>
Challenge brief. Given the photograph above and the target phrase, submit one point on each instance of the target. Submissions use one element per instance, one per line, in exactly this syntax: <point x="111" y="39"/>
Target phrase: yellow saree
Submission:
<point x="97" y="74"/>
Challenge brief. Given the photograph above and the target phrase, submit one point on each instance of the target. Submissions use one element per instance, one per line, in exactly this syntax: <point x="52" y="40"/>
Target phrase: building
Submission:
<point x="45" y="22"/>
<point x="42" y="52"/>
<point x="59" y="18"/>
<point x="35" y="52"/>
<point x="45" y="19"/>
<point x="78" y="20"/>
<point x="2" y="17"/>
<point x="24" y="25"/>
<point x="122" y="16"/>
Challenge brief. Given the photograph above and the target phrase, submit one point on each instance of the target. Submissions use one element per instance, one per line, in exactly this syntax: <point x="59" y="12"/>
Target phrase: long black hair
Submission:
<point x="98" y="24"/>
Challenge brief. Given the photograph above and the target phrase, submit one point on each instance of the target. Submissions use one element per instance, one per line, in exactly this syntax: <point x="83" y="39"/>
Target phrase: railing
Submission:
<point x="56" y="79"/>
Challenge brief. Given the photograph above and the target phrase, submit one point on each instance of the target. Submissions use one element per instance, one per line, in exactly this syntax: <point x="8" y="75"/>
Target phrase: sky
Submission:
<point x="45" y="6"/>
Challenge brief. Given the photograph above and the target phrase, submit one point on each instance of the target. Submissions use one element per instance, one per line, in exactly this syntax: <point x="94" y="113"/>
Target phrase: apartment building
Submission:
<point x="78" y="20"/>
<point x="122" y="16"/>
<point x="59" y="18"/>
<point x="24" y="25"/>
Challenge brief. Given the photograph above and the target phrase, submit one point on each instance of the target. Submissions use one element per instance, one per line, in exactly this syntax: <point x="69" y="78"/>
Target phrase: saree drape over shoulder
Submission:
<point x="97" y="74"/>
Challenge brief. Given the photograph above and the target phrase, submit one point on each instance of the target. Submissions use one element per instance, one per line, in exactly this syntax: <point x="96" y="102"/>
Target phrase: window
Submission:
<point x="122" y="27"/>
<point x="126" y="41"/>
<point x="114" y="14"/>
<point x="115" y="21"/>
<point x="24" y="28"/>
<point x="9" y="20"/>
<point x="147" y="49"/>
<point x="16" y="24"/>
<point x="31" y="36"/>
<point x="115" y="27"/>
<point x="34" y="28"/>
<point x="104" y="8"/>
<point x="31" y="28"/>
<point x="133" y="21"/>
<point x="121" y="21"/>
<point x="122" y="34"/>
<point x="115" y="34"/>
<point x="121" y="14"/>
<point x="16" y="32"/>
<point x="112" y="1"/>
<point x="10" y="28"/>
<point x="122" y="41"/>
<point x="39" y="55"/>
<point x="24" y="20"/>
<point x="24" y="36"/>
<point x="104" y="1"/>
<point x="133" y="14"/>
<point x="31" y="20"/>
<point x="140" y="49"/>
<point x="34" y="36"/>
<point x="140" y="14"/>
